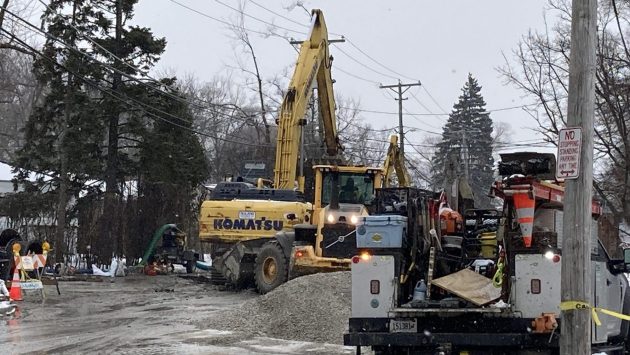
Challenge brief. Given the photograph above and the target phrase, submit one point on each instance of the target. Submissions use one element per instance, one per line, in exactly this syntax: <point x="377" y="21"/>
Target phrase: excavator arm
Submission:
<point x="395" y="162"/>
<point x="313" y="63"/>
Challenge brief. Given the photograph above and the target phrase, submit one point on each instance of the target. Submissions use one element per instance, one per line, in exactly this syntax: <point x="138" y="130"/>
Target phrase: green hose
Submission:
<point x="158" y="234"/>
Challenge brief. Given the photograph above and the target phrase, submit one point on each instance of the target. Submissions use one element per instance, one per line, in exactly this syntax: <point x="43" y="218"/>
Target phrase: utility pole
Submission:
<point x="398" y="89"/>
<point x="575" y="331"/>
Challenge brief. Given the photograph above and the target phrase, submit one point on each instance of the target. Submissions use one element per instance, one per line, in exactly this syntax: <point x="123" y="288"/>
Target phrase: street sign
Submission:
<point x="569" y="147"/>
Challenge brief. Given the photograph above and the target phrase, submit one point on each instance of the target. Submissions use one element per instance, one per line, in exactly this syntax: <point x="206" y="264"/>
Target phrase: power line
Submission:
<point x="356" y="76"/>
<point x="379" y="63"/>
<point x="279" y="15"/>
<point x="123" y="98"/>
<point x="400" y="92"/>
<point x="259" y="19"/>
<point x="434" y="101"/>
<point x="126" y="75"/>
<point x="366" y="66"/>
<point x="226" y="22"/>
<point x="446" y="114"/>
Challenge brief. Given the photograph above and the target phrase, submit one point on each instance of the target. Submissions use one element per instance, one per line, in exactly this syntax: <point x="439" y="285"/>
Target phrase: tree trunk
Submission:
<point x="109" y="216"/>
<point x="62" y="192"/>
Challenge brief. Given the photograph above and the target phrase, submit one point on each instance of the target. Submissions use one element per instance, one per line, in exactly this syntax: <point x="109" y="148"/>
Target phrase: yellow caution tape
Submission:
<point x="571" y="305"/>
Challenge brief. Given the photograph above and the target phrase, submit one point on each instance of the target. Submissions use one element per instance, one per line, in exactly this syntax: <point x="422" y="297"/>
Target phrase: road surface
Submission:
<point x="137" y="315"/>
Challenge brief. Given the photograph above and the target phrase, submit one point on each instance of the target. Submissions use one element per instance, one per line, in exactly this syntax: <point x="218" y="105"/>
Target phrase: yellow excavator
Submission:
<point x="267" y="236"/>
<point x="395" y="162"/>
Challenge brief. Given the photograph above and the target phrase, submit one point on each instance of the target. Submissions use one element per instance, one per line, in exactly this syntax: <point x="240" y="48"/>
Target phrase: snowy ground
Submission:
<point x="139" y="314"/>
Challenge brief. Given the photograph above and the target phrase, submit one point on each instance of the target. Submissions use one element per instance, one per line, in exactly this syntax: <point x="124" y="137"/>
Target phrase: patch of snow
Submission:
<point x="215" y="332"/>
<point x="5" y="172"/>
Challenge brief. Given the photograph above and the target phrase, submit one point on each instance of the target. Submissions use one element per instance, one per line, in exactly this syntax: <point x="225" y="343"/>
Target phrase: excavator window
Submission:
<point x="353" y="188"/>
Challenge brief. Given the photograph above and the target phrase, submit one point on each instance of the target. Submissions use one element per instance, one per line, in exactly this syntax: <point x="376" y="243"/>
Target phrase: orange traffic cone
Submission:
<point x="525" y="213"/>
<point x="16" y="289"/>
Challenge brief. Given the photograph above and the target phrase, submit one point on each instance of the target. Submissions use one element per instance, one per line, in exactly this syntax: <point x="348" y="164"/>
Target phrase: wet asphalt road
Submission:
<point x="136" y="315"/>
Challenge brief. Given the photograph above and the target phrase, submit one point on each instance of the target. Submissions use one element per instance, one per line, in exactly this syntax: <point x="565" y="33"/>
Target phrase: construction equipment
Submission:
<point x="493" y="287"/>
<point x="395" y="161"/>
<point x="172" y="250"/>
<point x="269" y="235"/>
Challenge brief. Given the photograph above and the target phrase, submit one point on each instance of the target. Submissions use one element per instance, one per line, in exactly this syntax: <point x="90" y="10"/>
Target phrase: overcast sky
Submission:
<point x="436" y="42"/>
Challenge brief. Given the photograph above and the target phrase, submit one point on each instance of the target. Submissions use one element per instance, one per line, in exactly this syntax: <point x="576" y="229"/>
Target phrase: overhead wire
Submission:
<point x="354" y="45"/>
<point x="278" y="14"/>
<point x="255" y="31"/>
<point x="258" y="19"/>
<point x="123" y="98"/>
<point x="227" y="23"/>
<point x="365" y="65"/>
<point x="433" y="99"/>
<point x="136" y="69"/>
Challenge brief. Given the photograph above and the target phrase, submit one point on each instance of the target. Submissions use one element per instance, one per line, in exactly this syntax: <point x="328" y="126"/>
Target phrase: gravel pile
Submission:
<point x="311" y="308"/>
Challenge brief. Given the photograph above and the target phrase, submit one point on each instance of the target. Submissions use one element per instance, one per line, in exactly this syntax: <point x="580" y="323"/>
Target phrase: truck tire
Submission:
<point x="271" y="267"/>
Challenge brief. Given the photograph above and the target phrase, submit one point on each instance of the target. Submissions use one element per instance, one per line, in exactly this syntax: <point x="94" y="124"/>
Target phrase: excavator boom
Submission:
<point x="313" y="64"/>
<point x="395" y="162"/>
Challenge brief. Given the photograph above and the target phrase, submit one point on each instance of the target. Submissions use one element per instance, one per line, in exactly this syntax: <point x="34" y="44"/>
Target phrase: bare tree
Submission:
<point x="241" y="35"/>
<point x="18" y="87"/>
<point x="541" y="71"/>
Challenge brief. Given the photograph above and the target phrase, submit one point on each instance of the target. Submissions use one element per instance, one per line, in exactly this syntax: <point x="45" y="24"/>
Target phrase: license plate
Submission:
<point x="246" y="215"/>
<point x="403" y="326"/>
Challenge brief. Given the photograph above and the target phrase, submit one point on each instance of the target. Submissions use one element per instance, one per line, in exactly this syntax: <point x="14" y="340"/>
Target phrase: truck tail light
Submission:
<point x="375" y="287"/>
<point x="535" y="286"/>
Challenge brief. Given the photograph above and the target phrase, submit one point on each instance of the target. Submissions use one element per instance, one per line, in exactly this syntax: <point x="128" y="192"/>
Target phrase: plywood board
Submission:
<point x="470" y="286"/>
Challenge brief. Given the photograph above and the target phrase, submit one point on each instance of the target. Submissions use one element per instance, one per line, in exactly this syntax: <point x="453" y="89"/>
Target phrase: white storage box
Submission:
<point x="381" y="231"/>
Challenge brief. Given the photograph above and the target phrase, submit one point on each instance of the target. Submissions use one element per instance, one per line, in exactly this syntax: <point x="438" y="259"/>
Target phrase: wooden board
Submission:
<point x="470" y="286"/>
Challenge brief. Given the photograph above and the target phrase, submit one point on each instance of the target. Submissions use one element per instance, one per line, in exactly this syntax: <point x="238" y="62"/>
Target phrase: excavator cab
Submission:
<point x="342" y="195"/>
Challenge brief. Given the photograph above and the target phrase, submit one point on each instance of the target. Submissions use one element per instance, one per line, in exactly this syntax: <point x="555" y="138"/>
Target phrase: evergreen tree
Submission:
<point x="466" y="146"/>
<point x="124" y="109"/>
<point x="99" y="123"/>
<point x="66" y="112"/>
<point x="172" y="167"/>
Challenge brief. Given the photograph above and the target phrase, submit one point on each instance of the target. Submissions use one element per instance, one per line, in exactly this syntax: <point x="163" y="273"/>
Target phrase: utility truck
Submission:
<point x="489" y="287"/>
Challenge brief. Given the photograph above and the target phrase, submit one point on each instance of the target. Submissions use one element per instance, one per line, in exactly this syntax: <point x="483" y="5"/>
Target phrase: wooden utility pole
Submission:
<point x="398" y="89"/>
<point x="576" y="282"/>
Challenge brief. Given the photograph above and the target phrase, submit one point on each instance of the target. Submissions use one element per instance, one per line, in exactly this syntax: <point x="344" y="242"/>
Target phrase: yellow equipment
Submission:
<point x="395" y="161"/>
<point x="270" y="235"/>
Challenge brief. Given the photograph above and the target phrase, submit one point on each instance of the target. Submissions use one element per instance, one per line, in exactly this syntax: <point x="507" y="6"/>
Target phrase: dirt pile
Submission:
<point x="312" y="308"/>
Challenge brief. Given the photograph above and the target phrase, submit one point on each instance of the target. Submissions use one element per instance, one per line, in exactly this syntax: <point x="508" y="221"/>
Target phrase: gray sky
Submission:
<point x="437" y="42"/>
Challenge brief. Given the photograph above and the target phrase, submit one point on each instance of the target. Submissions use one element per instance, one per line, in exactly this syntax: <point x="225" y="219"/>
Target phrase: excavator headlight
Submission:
<point x="354" y="219"/>
<point x="331" y="218"/>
